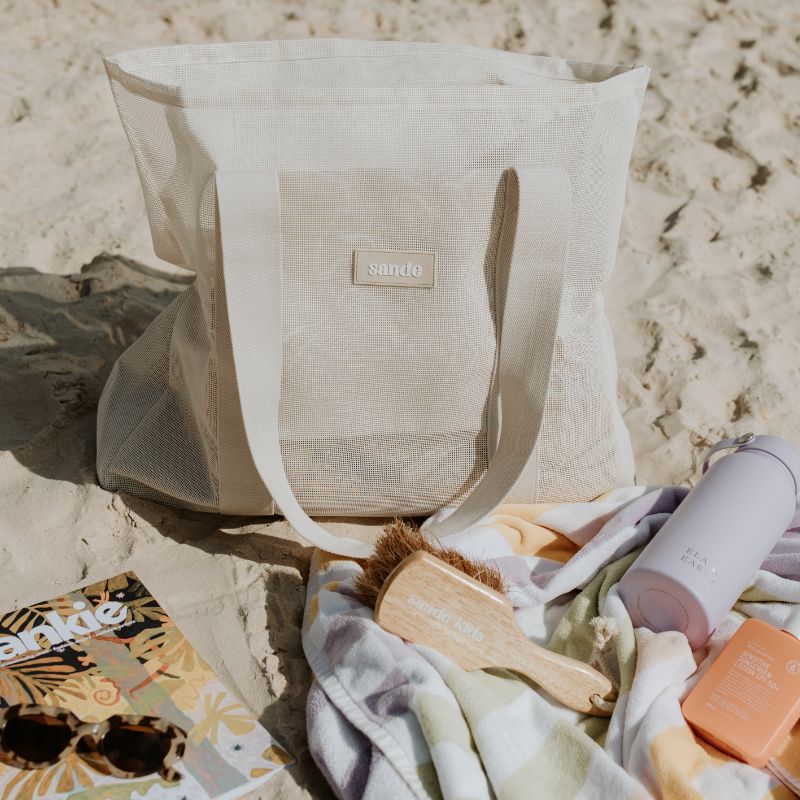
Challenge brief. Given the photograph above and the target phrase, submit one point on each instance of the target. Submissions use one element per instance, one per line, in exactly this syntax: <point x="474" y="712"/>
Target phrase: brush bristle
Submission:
<point x="400" y="539"/>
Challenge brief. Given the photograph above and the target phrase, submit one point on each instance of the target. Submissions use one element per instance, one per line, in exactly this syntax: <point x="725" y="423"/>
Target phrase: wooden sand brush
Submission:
<point x="432" y="595"/>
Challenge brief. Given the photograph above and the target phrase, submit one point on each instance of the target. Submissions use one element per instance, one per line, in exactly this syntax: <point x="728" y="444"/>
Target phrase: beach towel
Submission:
<point x="389" y="719"/>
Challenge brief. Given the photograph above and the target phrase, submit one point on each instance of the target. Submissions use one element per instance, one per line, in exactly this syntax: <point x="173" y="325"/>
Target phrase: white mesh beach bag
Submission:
<point x="400" y="251"/>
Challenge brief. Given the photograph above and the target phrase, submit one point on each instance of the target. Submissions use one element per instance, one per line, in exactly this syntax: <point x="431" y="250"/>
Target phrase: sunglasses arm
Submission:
<point x="169" y="774"/>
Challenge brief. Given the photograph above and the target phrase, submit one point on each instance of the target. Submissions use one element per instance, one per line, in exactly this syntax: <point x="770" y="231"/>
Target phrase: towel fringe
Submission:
<point x="603" y="646"/>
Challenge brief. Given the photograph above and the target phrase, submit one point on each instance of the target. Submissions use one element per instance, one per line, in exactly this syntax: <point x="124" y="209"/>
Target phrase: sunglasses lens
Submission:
<point x="137" y="749"/>
<point x="36" y="737"/>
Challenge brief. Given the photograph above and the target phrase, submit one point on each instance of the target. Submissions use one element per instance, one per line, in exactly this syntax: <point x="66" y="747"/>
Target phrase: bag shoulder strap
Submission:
<point x="539" y="209"/>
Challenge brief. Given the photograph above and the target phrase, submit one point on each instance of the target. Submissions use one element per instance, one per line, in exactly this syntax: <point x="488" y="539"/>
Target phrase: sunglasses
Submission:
<point x="33" y="737"/>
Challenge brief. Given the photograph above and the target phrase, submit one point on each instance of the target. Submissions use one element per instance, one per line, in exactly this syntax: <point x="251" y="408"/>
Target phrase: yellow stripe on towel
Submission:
<point x="517" y="523"/>
<point x="678" y="758"/>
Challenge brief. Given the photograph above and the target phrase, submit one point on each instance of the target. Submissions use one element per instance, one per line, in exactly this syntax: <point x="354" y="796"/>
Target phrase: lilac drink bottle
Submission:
<point x="694" y="569"/>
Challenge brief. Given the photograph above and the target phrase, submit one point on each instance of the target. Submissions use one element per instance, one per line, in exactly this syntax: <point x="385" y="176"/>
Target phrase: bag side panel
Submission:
<point x="155" y="422"/>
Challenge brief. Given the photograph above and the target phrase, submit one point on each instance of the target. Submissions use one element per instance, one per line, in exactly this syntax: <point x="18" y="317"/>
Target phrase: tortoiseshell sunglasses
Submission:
<point x="33" y="737"/>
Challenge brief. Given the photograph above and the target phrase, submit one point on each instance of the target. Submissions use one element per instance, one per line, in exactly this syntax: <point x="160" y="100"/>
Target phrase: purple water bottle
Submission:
<point x="694" y="569"/>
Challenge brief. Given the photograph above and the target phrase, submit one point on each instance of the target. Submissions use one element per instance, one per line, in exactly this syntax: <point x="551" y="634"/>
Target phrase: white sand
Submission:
<point x="704" y="302"/>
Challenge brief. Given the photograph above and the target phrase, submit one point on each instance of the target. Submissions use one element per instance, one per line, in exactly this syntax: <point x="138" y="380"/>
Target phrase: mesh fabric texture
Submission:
<point x="386" y="393"/>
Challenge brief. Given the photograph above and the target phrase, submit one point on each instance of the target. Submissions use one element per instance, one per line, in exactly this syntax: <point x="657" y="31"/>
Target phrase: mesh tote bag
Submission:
<point x="400" y="251"/>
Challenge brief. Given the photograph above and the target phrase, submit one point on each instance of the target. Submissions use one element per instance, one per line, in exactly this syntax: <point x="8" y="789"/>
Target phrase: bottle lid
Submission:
<point x="792" y="624"/>
<point x="779" y="448"/>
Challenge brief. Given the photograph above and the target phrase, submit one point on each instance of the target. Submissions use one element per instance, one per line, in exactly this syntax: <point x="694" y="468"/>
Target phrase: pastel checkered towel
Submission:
<point x="392" y="720"/>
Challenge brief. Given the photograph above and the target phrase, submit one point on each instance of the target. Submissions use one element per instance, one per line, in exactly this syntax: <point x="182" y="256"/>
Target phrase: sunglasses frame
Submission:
<point x="94" y="732"/>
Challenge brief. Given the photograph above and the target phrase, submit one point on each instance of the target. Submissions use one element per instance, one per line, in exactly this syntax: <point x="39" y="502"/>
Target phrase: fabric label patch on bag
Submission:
<point x="394" y="268"/>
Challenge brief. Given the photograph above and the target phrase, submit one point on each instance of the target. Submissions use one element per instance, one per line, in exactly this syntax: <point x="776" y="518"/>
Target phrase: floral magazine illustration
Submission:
<point x="108" y="649"/>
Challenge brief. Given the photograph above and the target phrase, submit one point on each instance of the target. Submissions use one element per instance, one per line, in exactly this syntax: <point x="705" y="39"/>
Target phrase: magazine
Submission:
<point x="107" y="649"/>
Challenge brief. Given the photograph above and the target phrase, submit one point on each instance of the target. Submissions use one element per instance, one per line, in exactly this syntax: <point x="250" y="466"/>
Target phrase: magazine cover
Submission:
<point x="110" y="649"/>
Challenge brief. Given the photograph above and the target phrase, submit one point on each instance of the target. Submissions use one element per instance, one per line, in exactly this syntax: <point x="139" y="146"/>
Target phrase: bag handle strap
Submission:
<point x="248" y="204"/>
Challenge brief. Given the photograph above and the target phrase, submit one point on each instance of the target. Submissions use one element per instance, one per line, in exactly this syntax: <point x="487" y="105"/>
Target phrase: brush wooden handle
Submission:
<point x="566" y="679"/>
<point x="427" y="601"/>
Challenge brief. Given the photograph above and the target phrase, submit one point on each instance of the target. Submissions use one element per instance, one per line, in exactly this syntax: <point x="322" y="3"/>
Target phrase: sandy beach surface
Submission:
<point x="705" y="302"/>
